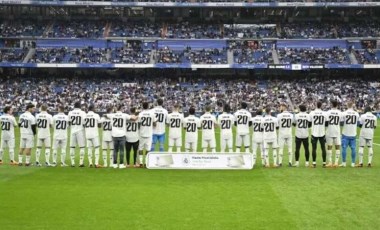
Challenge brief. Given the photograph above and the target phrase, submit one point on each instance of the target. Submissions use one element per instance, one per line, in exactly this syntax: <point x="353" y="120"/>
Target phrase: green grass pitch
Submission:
<point x="284" y="198"/>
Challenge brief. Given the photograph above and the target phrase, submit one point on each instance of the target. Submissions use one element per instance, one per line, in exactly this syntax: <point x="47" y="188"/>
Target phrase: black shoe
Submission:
<point x="290" y="164"/>
<point x="91" y="165"/>
<point x="314" y="165"/>
<point x="369" y="165"/>
<point x="280" y="165"/>
<point x="27" y="164"/>
<point x="73" y="165"/>
<point x="20" y="164"/>
<point x="324" y="166"/>
<point x="360" y="165"/>
<point x="81" y="166"/>
<point x="38" y="164"/>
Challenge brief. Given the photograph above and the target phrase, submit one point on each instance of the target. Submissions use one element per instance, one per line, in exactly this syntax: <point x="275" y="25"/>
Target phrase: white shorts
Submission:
<point x="145" y="143"/>
<point x="107" y="145"/>
<point x="333" y="141"/>
<point x="27" y="142"/>
<point x="269" y="142"/>
<point x="191" y="145"/>
<point x="77" y="139"/>
<point x="365" y="142"/>
<point x="175" y="142"/>
<point x="7" y="144"/>
<point x="225" y="142"/>
<point x="59" y="143"/>
<point x="93" y="142"/>
<point x="242" y="140"/>
<point x="44" y="142"/>
<point x="208" y="142"/>
<point x="285" y="140"/>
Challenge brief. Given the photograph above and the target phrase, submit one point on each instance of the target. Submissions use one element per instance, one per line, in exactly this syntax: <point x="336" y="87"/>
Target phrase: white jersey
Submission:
<point x="226" y="121"/>
<point x="285" y="121"/>
<point x="302" y="121"/>
<point x="191" y="125"/>
<point x="208" y="122"/>
<point x="318" y="123"/>
<point x="161" y="115"/>
<point x="175" y="120"/>
<point x="76" y="118"/>
<point x="146" y="120"/>
<point x="119" y="123"/>
<point x="350" y="122"/>
<point x="107" y="128"/>
<point x="91" y="125"/>
<point x="8" y="124"/>
<point x="61" y="124"/>
<point x="270" y="125"/>
<point x="44" y="122"/>
<point x="334" y="117"/>
<point x="26" y="121"/>
<point x="242" y="118"/>
<point x="132" y="131"/>
<point x="257" y="124"/>
<point x="369" y="123"/>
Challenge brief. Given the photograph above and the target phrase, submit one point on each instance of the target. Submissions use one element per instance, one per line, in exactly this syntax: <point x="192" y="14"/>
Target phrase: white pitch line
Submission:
<point x="376" y="144"/>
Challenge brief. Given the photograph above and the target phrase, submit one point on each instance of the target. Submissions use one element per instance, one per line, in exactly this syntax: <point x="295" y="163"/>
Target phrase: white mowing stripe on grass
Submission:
<point x="376" y="144"/>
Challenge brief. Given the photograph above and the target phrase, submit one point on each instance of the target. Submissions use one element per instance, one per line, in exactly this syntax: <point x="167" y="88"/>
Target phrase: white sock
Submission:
<point x="275" y="156"/>
<point x="89" y="155"/>
<point x="178" y="149"/>
<point x="213" y="150"/>
<point x="337" y="155"/>
<point x="38" y="153"/>
<point x="54" y="156"/>
<point x="280" y="155"/>
<point x="47" y="155"/>
<point x="27" y="159"/>
<point x="329" y="155"/>
<point x="97" y="156"/>
<point x="290" y="156"/>
<point x="247" y="150"/>
<point x="361" y="151"/>
<point x="81" y="156"/>
<point x="370" y="155"/>
<point x="254" y="157"/>
<point x="141" y="159"/>
<point x="1" y="154"/>
<point x="11" y="155"/>
<point x="72" y="156"/>
<point x="266" y="156"/>
<point x="170" y="149"/>
<point x="104" y="155"/>
<point x="205" y="150"/>
<point x="230" y="150"/>
<point x="20" y="158"/>
<point x="63" y="156"/>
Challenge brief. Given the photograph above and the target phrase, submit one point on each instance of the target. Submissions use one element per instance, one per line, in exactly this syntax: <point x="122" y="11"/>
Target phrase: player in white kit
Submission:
<point x="334" y="116"/>
<point x="77" y="136"/>
<point x="175" y="121"/>
<point x="208" y="123"/>
<point x="44" y="123"/>
<point x="147" y="120"/>
<point x="91" y="127"/>
<point x="257" y="136"/>
<point x="27" y="124"/>
<point x="191" y="125"/>
<point x="367" y="123"/>
<point x="225" y="122"/>
<point x="319" y="122"/>
<point x="243" y="122"/>
<point x="159" y="129"/>
<point x="61" y="126"/>
<point x="8" y="124"/>
<point x="107" y="142"/>
<point x="270" y="125"/>
<point x="285" y="121"/>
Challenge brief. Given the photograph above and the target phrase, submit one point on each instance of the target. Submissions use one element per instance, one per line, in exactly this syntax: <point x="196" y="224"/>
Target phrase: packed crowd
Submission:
<point x="186" y="30"/>
<point x="194" y="56"/>
<point x="12" y="55"/>
<point x="198" y="92"/>
<point x="251" y="52"/>
<point x="368" y="56"/>
<point x="333" y="55"/>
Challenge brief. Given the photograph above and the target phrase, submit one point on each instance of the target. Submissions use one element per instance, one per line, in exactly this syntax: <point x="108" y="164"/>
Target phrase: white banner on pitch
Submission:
<point x="231" y="161"/>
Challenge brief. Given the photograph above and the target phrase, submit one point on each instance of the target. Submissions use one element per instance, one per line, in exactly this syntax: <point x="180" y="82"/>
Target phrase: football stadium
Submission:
<point x="189" y="114"/>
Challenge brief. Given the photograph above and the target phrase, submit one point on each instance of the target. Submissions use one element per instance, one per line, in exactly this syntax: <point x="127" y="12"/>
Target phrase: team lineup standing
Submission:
<point x="141" y="132"/>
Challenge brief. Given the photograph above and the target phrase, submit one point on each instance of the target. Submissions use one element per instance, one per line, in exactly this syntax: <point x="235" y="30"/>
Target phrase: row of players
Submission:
<point x="142" y="131"/>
